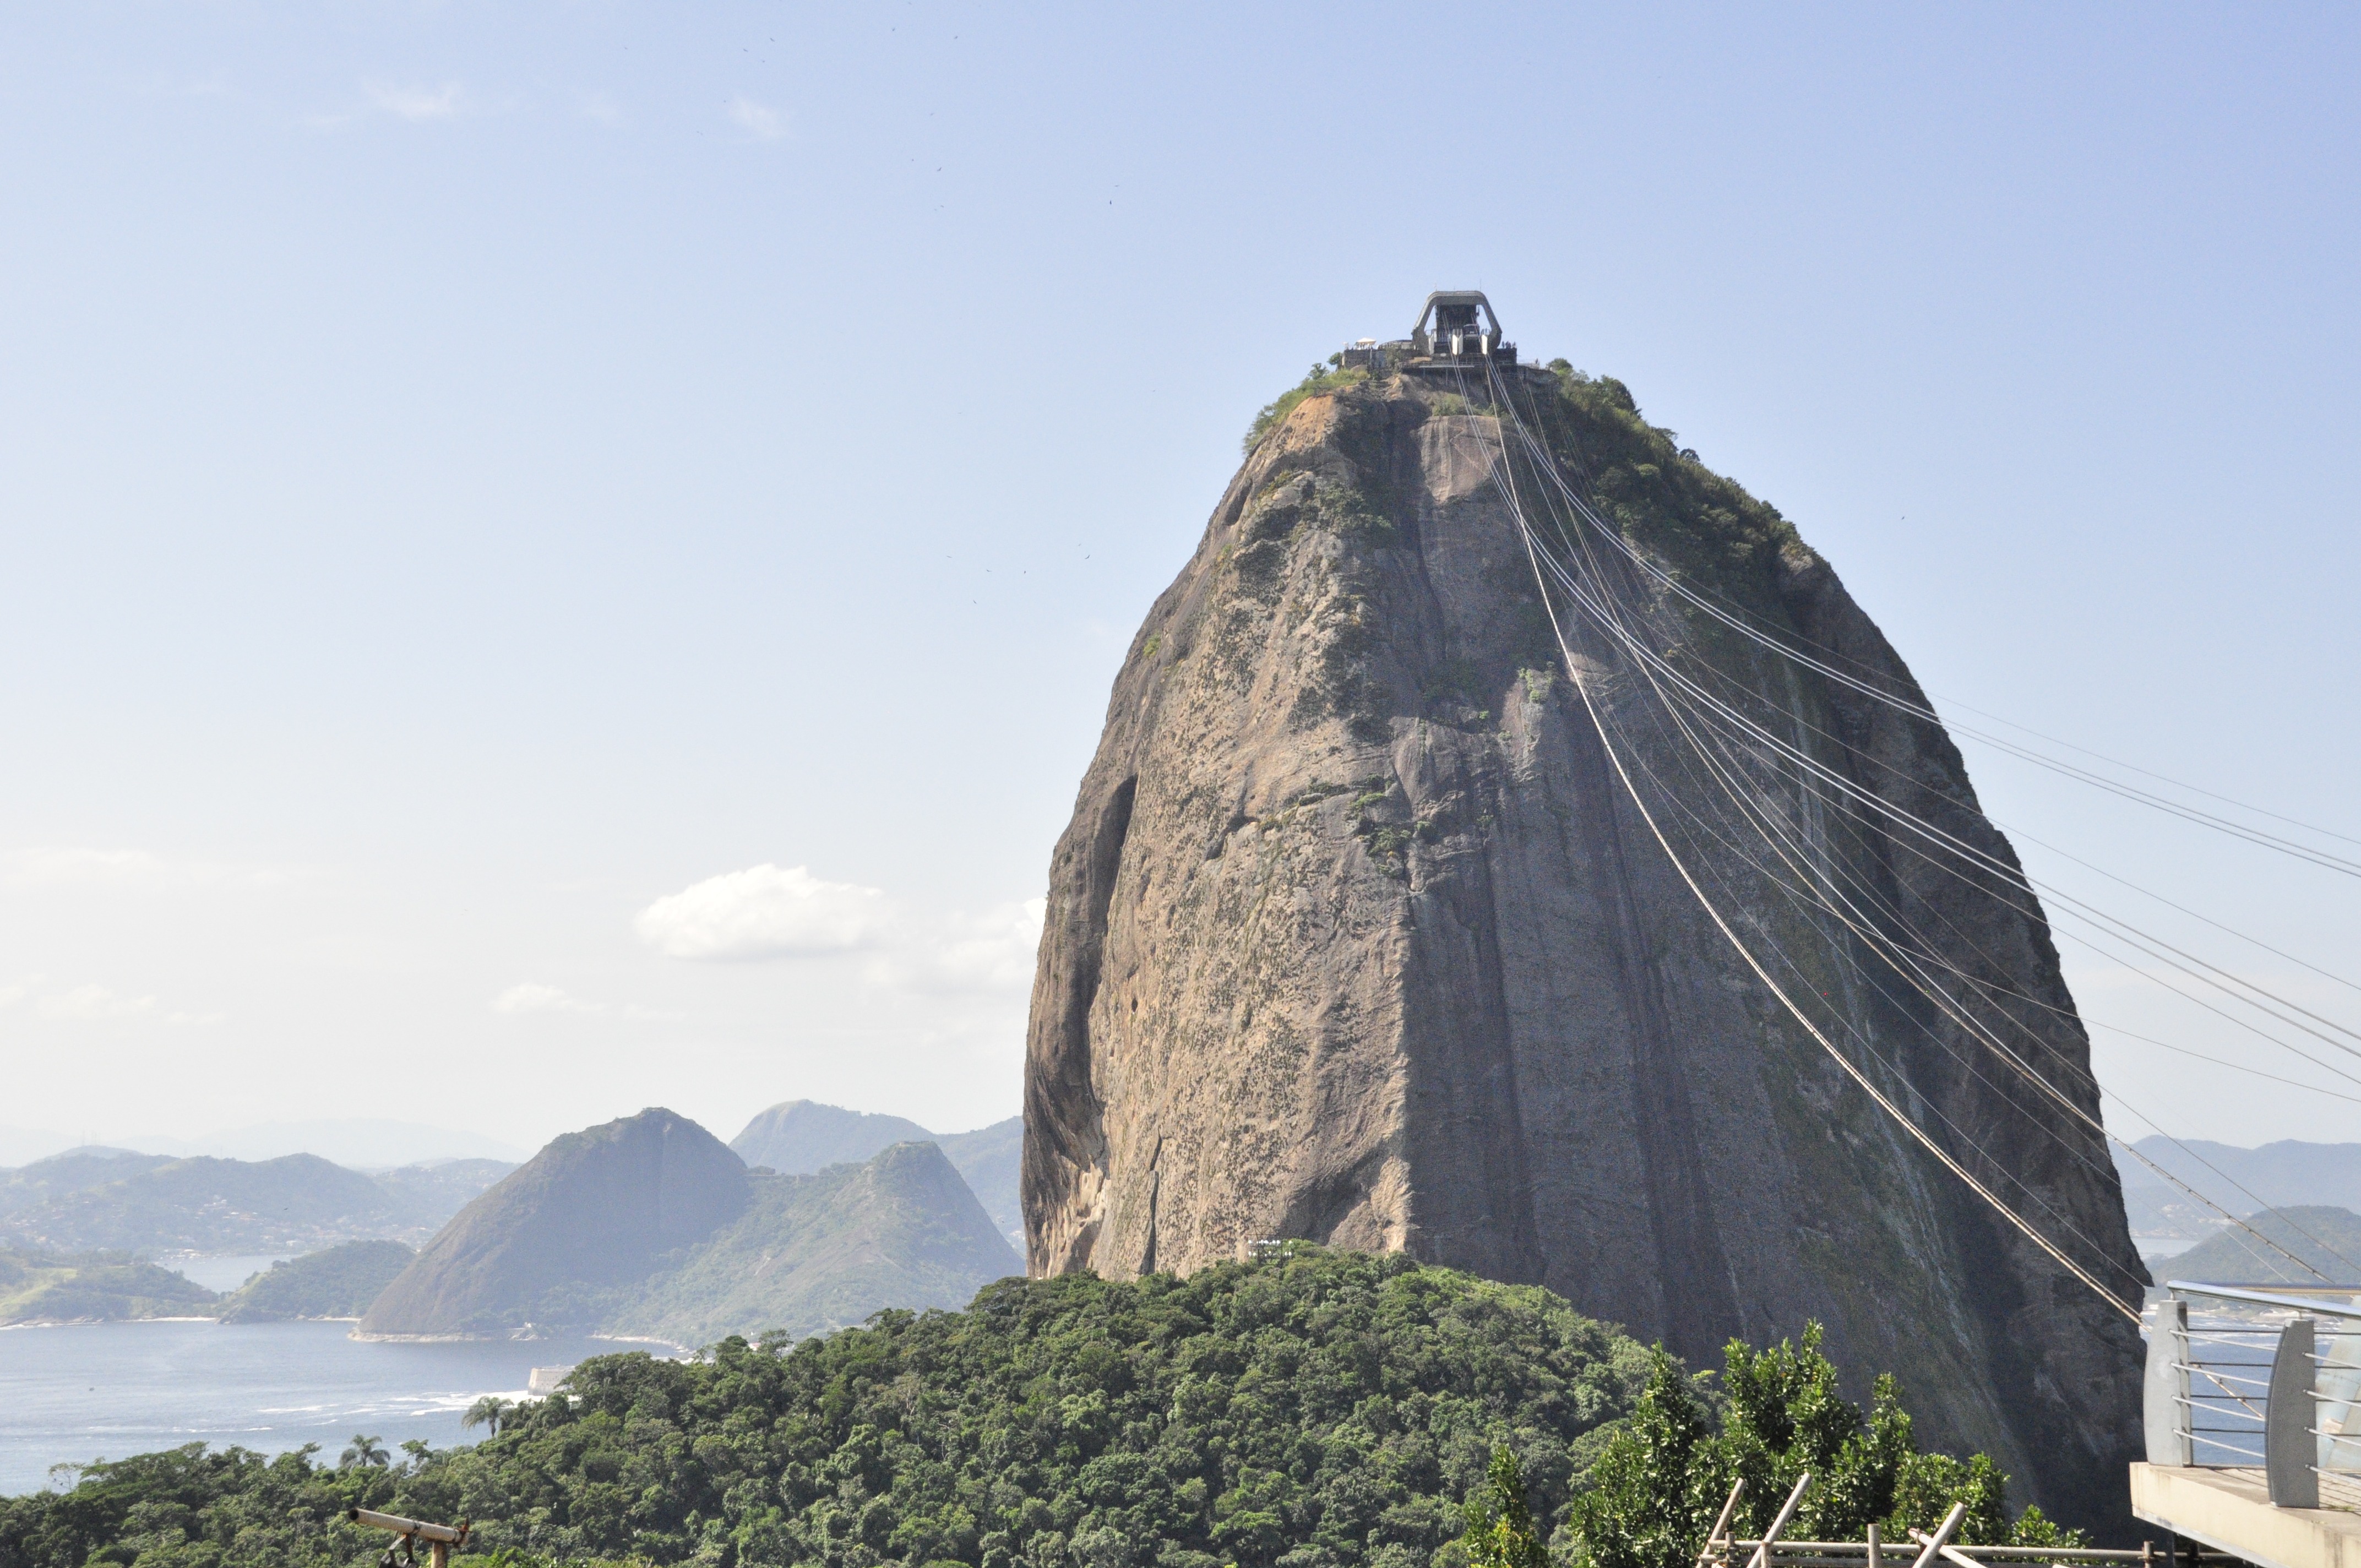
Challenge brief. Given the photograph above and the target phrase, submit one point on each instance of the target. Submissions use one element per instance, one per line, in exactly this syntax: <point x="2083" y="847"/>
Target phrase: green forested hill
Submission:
<point x="1337" y="1399"/>
<point x="595" y="1211"/>
<point x="202" y="1204"/>
<point x="1315" y="1411"/>
<point x="339" y="1282"/>
<point x="65" y="1287"/>
<point x="989" y="1158"/>
<point x="92" y="1165"/>
<point x="2325" y="1238"/>
<point x="428" y="1195"/>
<point x="103" y="1198"/>
<point x="796" y="1138"/>
<point x="823" y="1250"/>
<point x="799" y="1136"/>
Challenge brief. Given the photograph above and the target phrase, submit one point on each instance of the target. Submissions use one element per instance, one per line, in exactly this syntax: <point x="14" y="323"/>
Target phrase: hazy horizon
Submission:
<point x="571" y="558"/>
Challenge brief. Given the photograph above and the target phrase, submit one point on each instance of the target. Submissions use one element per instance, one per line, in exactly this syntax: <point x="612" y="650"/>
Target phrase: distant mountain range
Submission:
<point x="102" y="1199"/>
<point x="647" y="1226"/>
<point x="799" y="1136"/>
<point x="824" y="1250"/>
<point x="2242" y="1181"/>
<point x="2326" y="1238"/>
<point x="650" y="1226"/>
<point x="595" y="1211"/>
<point x="361" y="1142"/>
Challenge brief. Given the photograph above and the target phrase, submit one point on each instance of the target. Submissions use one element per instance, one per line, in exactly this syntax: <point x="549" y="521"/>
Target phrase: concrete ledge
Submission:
<point x="2230" y="1511"/>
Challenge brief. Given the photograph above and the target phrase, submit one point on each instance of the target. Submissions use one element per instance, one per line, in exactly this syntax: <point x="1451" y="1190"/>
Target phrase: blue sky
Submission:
<point x="476" y="479"/>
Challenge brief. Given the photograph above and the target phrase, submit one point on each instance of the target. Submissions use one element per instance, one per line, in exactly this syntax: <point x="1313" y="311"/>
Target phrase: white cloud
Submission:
<point x="417" y="103"/>
<point x="757" y="120"/>
<point x="93" y="1002"/>
<point x="530" y="998"/>
<point x="68" y="863"/>
<point x="991" y="951"/>
<point x="764" y="912"/>
<point x="65" y="865"/>
<point x="965" y="954"/>
<point x="598" y="107"/>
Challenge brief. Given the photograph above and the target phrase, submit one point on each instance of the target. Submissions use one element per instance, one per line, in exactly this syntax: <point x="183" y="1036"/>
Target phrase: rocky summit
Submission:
<point x="1356" y="937"/>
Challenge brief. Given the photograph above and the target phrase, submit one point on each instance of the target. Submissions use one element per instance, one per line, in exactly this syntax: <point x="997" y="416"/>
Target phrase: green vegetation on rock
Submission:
<point x="1333" y="1404"/>
<point x="339" y="1282"/>
<point x="1320" y="378"/>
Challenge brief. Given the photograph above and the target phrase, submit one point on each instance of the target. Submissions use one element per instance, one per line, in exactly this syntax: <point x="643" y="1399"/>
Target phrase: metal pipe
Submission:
<point x="2261" y="1298"/>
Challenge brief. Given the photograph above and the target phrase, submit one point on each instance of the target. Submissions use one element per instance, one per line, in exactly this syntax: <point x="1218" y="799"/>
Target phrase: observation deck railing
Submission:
<point x="2265" y="1379"/>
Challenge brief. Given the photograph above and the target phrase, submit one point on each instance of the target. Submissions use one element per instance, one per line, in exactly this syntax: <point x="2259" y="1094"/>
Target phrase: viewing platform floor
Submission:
<point x="2230" y="1510"/>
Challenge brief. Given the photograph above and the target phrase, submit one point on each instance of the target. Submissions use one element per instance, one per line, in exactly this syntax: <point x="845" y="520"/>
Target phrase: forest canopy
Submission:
<point x="1320" y="1409"/>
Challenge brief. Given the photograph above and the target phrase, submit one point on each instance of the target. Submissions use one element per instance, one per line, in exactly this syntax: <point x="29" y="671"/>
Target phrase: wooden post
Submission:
<point x="1940" y="1539"/>
<point x="1714" y="1547"/>
<point x="1761" y="1558"/>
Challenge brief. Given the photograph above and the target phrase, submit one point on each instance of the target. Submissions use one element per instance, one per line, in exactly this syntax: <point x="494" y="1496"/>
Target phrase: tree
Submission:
<point x="1655" y="1489"/>
<point x="1500" y="1526"/>
<point x="491" y="1410"/>
<point x="1658" y="1485"/>
<point x="365" y="1451"/>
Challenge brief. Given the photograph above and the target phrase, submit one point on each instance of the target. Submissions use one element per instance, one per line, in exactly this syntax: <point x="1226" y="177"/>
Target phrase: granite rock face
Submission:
<point x="1356" y="937"/>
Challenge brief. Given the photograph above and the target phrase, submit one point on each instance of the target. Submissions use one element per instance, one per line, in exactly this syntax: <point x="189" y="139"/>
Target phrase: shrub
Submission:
<point x="1320" y="378"/>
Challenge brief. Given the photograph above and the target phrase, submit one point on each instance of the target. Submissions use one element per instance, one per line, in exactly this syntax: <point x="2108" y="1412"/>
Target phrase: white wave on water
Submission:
<point x="75" y="1393"/>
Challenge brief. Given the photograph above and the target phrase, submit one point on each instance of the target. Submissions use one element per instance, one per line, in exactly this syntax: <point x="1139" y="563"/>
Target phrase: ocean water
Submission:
<point x="221" y="1271"/>
<point x="92" y="1390"/>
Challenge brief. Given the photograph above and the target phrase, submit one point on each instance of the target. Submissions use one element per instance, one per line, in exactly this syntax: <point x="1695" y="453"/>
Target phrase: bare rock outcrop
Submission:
<point x="1355" y="936"/>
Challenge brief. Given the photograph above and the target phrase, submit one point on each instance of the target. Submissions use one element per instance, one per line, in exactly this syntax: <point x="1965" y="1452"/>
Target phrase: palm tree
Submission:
<point x="364" y="1450"/>
<point x="491" y="1410"/>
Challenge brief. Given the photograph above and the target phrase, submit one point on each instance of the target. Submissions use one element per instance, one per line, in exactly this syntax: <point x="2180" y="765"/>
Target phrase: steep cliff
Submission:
<point x="1356" y="937"/>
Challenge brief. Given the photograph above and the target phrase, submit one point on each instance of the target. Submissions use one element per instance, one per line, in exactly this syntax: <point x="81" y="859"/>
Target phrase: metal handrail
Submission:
<point x="1856" y="1551"/>
<point x="2281" y="1297"/>
<point x="2297" y="1382"/>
